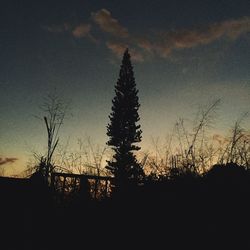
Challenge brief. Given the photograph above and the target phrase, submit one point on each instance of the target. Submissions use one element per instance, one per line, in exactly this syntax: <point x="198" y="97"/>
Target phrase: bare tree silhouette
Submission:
<point x="54" y="110"/>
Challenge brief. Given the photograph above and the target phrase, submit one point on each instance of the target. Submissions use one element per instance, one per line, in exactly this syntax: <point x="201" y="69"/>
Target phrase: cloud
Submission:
<point x="7" y="160"/>
<point x="119" y="48"/>
<point x="161" y="44"/>
<point x="58" y="28"/>
<point x="78" y="31"/>
<point x="82" y="30"/>
<point x="109" y="24"/>
<point x="144" y="44"/>
<point x="189" y="38"/>
<point x="165" y="43"/>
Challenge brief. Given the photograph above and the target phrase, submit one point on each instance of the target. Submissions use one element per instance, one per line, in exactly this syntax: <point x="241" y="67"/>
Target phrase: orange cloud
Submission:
<point x="188" y="38"/>
<point x="81" y="30"/>
<point x="161" y="44"/>
<point x="119" y="48"/>
<point x="144" y="44"/>
<point x="109" y="24"/>
<point x="164" y="44"/>
<point x="7" y="160"/>
<point x="78" y="31"/>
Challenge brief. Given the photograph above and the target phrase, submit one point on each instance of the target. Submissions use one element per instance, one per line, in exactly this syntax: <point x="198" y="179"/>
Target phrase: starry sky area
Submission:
<point x="185" y="54"/>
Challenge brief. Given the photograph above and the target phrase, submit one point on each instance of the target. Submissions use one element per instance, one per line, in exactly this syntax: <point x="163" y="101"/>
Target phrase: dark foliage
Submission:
<point x="210" y="211"/>
<point x="123" y="130"/>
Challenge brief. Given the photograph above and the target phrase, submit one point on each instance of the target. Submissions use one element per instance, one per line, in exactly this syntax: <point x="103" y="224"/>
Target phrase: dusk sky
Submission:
<point x="185" y="54"/>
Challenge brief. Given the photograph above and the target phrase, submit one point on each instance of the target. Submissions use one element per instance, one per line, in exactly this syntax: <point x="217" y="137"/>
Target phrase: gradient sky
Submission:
<point x="185" y="54"/>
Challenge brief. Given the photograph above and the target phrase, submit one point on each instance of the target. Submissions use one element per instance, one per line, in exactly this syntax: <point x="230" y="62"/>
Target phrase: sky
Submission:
<point x="185" y="54"/>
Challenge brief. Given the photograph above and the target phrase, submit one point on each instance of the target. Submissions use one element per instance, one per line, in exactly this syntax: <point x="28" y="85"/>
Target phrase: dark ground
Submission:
<point x="186" y="213"/>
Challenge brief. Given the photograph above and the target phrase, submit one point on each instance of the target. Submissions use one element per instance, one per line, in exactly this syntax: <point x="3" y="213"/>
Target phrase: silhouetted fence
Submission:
<point x="66" y="185"/>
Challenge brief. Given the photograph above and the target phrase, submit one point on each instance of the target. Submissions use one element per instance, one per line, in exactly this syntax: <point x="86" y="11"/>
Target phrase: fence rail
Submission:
<point x="68" y="184"/>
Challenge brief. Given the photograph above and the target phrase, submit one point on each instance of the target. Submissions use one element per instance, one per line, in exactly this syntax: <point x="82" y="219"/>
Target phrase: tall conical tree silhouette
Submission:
<point x="123" y="130"/>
